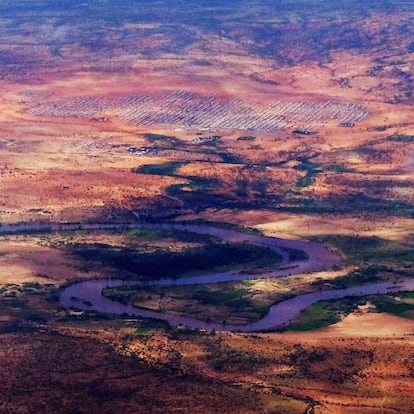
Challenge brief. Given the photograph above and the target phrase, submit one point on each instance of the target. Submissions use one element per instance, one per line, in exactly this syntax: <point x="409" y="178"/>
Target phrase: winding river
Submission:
<point x="87" y="295"/>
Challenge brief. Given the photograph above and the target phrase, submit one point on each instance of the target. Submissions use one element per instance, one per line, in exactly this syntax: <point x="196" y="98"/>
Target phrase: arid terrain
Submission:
<point x="291" y="120"/>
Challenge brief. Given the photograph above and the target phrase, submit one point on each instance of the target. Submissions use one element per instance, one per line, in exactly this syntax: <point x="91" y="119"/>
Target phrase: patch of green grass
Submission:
<point x="147" y="234"/>
<point x="326" y="313"/>
<point x="31" y="287"/>
<point x="142" y="330"/>
<point x="306" y="180"/>
<point x="196" y="184"/>
<point x="404" y="255"/>
<point x="323" y="314"/>
<point x="238" y="300"/>
<point x="209" y="302"/>
<point x="369" y="249"/>
<point x="370" y="274"/>
<point x="406" y="295"/>
<point x="306" y="164"/>
<point x="312" y="170"/>
<point x="225" y="225"/>
<point x="358" y="203"/>
<point x="395" y="304"/>
<point x="162" y="234"/>
<point x="148" y="325"/>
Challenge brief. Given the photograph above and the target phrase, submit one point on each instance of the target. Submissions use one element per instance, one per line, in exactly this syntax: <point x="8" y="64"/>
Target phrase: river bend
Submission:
<point x="87" y="295"/>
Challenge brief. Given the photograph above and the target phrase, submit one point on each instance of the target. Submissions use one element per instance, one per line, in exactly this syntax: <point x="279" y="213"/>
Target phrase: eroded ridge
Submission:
<point x="190" y="110"/>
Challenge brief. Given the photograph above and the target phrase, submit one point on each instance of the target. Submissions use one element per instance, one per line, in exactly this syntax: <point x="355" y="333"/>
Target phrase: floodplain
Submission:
<point x="288" y="123"/>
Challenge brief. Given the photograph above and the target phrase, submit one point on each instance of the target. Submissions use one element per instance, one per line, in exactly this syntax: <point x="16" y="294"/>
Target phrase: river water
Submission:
<point x="87" y="295"/>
